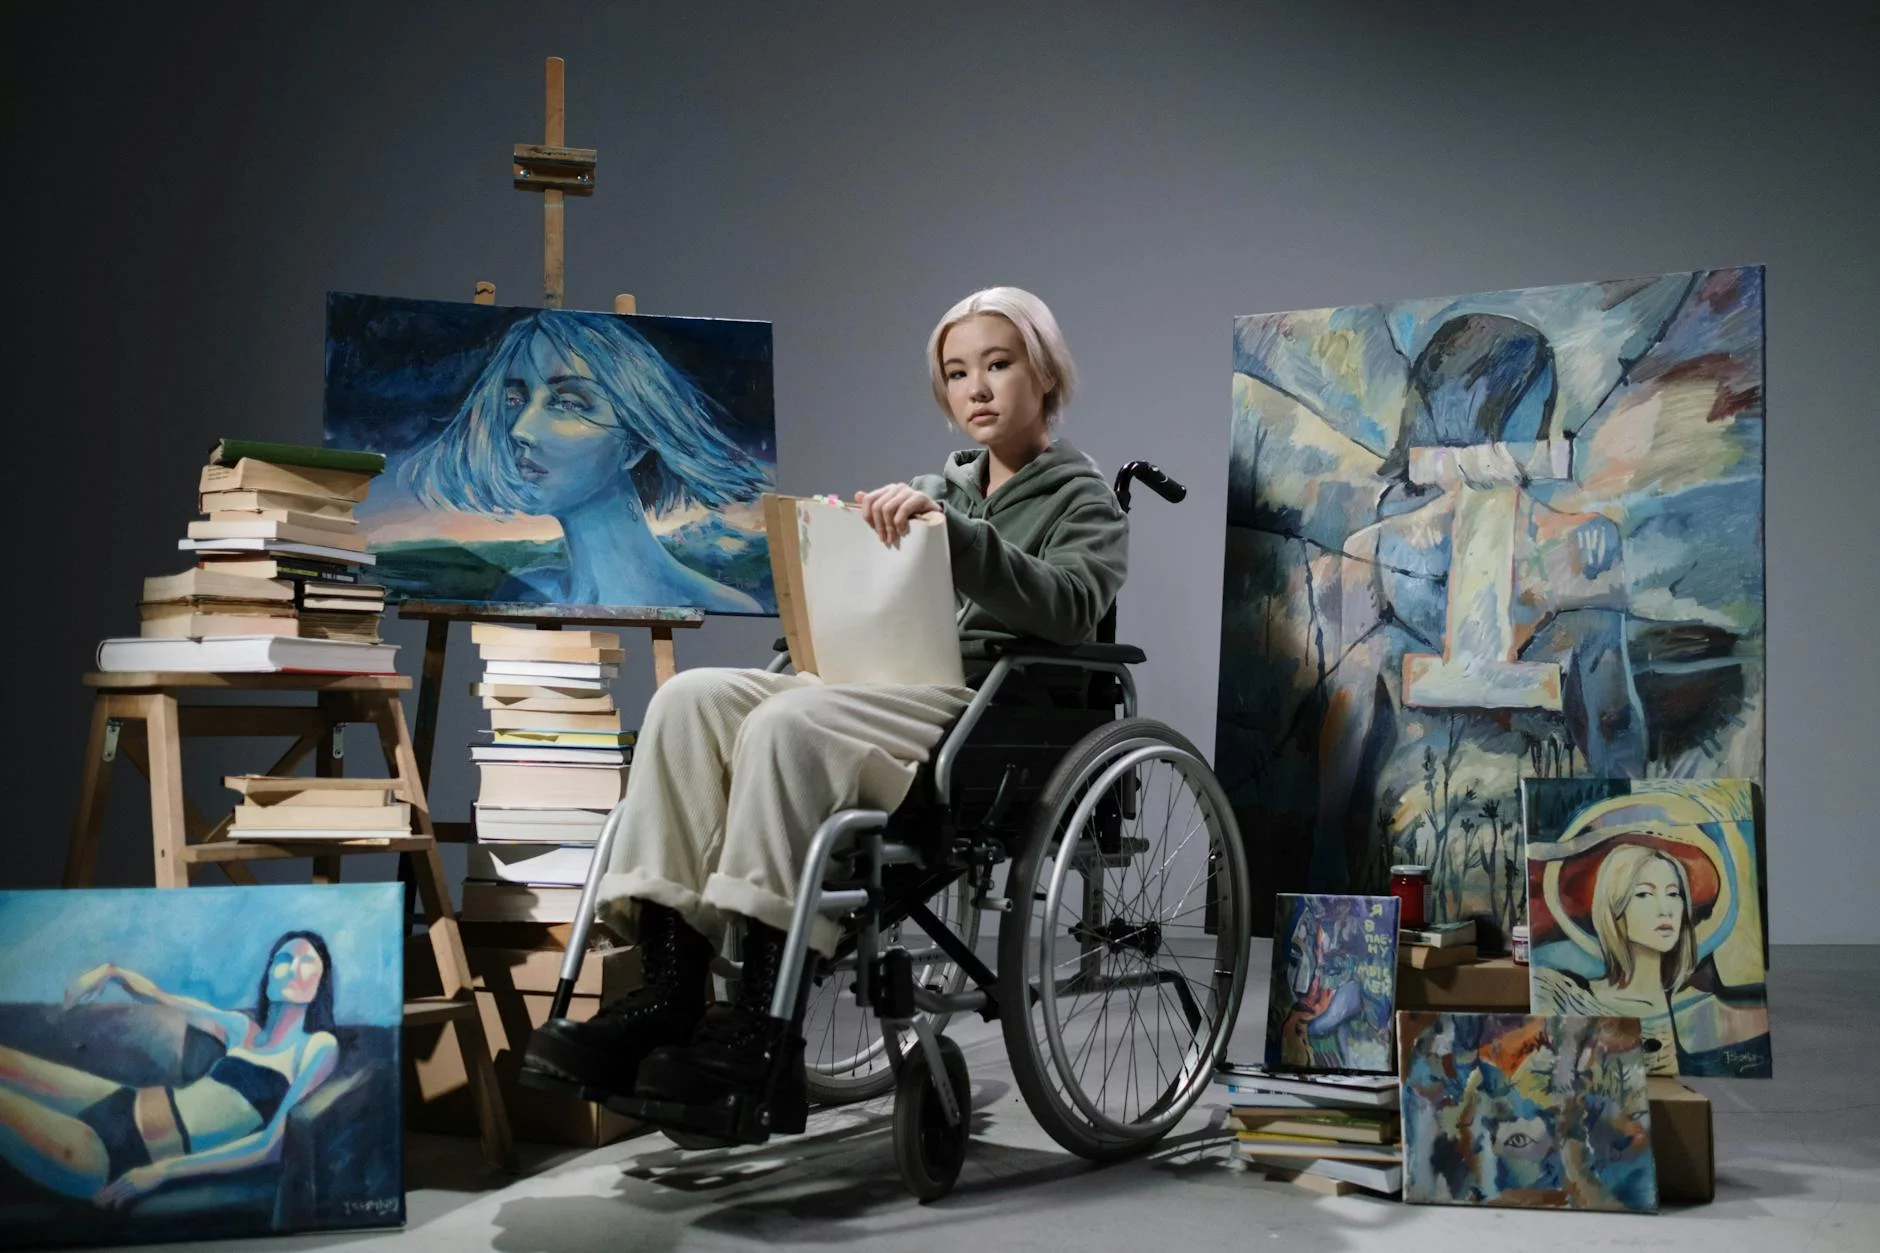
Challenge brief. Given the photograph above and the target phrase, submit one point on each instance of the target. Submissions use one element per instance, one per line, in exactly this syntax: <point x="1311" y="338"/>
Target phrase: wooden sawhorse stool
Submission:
<point x="141" y="715"/>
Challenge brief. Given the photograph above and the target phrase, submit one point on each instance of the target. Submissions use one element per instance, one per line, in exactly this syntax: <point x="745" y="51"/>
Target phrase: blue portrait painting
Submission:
<point x="557" y="456"/>
<point x="184" y="1065"/>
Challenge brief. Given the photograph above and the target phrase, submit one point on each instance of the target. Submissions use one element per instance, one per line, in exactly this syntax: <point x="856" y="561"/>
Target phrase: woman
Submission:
<point x="86" y="1136"/>
<point x="1642" y="916"/>
<point x="577" y="418"/>
<point x="736" y="769"/>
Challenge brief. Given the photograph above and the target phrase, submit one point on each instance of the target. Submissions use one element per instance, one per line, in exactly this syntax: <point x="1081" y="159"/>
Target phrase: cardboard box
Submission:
<point x="1683" y="1142"/>
<point x="514" y="991"/>
<point x="1490" y="985"/>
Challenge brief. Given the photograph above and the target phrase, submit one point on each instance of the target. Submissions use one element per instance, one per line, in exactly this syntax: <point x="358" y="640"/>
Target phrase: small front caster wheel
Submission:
<point x="929" y="1150"/>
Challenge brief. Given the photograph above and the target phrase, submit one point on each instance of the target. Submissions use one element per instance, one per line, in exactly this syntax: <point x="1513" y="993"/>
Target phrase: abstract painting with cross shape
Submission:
<point x="1478" y="539"/>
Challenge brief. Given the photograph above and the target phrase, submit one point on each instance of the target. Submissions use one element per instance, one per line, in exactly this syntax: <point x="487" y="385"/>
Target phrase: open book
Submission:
<point x="855" y="610"/>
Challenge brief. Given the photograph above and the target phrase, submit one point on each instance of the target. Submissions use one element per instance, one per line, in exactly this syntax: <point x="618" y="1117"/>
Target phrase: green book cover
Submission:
<point x="229" y="451"/>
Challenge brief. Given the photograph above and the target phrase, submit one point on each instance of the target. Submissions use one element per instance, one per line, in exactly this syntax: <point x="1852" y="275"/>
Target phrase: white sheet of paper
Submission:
<point x="878" y="614"/>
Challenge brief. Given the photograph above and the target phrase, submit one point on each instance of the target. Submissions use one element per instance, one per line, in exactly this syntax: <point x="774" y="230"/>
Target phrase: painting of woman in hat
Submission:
<point x="1644" y="903"/>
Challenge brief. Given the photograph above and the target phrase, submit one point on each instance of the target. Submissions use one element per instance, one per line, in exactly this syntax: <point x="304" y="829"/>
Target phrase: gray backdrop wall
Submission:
<point x="184" y="184"/>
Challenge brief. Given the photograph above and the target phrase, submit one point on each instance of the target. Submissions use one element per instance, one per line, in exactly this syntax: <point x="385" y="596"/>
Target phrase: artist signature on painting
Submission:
<point x="377" y="1207"/>
<point x="1739" y="1057"/>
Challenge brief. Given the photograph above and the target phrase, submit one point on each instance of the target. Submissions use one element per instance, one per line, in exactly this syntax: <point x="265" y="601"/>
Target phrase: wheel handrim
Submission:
<point x="1142" y="938"/>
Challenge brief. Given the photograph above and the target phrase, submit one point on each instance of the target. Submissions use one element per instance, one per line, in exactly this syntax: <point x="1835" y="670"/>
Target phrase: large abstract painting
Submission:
<point x="547" y="455"/>
<point x="1482" y="538"/>
<point x="1532" y="1112"/>
<point x="1645" y="900"/>
<point x="181" y="1065"/>
<point x="1334" y="984"/>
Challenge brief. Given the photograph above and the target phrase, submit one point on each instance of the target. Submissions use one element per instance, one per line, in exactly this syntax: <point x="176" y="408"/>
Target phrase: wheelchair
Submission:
<point x="1123" y="922"/>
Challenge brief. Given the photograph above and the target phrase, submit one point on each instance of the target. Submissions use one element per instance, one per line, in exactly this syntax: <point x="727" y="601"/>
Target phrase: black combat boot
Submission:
<point x="605" y="1052"/>
<point x="738" y="1048"/>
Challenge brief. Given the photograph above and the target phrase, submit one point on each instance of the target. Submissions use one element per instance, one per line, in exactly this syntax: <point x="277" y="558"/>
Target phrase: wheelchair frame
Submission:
<point x="883" y="979"/>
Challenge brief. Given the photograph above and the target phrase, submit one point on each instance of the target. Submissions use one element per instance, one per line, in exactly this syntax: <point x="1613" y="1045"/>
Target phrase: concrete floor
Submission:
<point x="1798" y="1169"/>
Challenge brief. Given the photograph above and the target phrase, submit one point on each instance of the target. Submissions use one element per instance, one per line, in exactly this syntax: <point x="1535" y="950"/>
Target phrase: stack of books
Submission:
<point x="1437" y="944"/>
<point x="1342" y="1129"/>
<point x="554" y="764"/>
<point x="278" y="810"/>
<point x="277" y="580"/>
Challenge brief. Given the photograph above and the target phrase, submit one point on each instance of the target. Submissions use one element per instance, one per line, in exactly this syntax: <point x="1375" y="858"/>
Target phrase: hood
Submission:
<point x="1048" y="471"/>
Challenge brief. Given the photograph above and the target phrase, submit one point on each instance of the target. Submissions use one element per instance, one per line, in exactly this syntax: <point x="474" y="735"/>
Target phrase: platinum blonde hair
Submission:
<point x="1612" y="890"/>
<point x="1037" y="329"/>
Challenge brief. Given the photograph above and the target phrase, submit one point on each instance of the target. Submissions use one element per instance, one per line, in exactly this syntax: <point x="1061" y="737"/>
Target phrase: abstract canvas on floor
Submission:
<point x="190" y="1064"/>
<point x="1334" y="984"/>
<point x="1645" y="900"/>
<point x="1477" y="539"/>
<point x="1527" y="1111"/>
<point x="558" y="456"/>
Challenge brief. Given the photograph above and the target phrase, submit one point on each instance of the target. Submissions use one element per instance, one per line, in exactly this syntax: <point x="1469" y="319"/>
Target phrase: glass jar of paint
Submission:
<point x="1411" y="886"/>
<point x="1518" y="941"/>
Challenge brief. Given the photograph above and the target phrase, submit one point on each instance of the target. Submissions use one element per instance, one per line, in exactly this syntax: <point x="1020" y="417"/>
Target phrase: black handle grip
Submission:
<point x="1152" y="478"/>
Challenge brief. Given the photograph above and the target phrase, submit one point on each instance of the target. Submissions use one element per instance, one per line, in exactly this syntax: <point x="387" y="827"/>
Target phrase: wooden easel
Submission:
<point x="556" y="171"/>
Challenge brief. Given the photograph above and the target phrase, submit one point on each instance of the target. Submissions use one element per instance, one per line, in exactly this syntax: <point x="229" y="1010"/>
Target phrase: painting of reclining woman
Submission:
<point x="1482" y="538"/>
<point x="558" y="456"/>
<point x="203" y="1063"/>
<point x="1645" y="901"/>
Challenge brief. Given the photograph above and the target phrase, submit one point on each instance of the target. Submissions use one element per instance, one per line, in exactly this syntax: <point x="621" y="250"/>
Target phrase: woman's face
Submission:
<point x="992" y="390"/>
<point x="1654" y="913"/>
<point x="294" y="973"/>
<point x="567" y="437"/>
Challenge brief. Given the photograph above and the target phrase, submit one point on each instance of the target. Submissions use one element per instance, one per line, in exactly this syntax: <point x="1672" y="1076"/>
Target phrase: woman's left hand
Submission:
<point x="131" y="1185"/>
<point x="889" y="509"/>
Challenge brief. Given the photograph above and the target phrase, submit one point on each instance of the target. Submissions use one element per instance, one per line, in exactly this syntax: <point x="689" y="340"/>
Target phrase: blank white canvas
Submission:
<point x="878" y="614"/>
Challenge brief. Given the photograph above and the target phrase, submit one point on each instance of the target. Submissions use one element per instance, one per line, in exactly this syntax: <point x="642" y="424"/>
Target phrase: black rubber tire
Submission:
<point x="1032" y="1073"/>
<point x="928" y="1152"/>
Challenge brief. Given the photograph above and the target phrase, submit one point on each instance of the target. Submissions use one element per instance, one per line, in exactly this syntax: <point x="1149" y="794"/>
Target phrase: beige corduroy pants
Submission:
<point x="734" y="771"/>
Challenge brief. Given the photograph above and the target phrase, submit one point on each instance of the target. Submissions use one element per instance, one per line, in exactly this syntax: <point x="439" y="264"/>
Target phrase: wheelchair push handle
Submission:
<point x="1150" y="477"/>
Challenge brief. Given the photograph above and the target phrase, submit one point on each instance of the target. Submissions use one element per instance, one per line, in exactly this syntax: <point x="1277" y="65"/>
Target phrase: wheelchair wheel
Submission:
<point x="845" y="1050"/>
<point x="928" y="1150"/>
<point x="1116" y="999"/>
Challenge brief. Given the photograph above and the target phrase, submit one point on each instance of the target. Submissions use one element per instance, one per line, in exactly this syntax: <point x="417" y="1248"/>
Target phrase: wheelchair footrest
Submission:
<point x="736" y="1117"/>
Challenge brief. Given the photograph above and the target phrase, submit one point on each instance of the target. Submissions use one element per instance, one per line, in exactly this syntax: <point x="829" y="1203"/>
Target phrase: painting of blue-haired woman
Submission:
<point x="559" y="456"/>
<point x="207" y="1092"/>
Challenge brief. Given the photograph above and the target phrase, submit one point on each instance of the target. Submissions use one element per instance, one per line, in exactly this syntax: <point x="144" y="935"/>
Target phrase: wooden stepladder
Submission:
<point x="144" y="717"/>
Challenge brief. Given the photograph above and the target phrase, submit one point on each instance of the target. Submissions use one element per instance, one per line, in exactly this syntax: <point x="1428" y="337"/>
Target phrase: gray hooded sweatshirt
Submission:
<point x="1044" y="557"/>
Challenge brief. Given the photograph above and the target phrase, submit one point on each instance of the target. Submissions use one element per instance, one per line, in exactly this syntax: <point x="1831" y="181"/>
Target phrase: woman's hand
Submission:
<point x="889" y="509"/>
<point x="132" y="1184"/>
<point x="89" y="985"/>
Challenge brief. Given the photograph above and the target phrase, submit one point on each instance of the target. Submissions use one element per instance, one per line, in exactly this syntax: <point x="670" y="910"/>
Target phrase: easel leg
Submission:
<point x="169" y="825"/>
<point x="94" y="789"/>
<point x="665" y="662"/>
<point x="430" y="691"/>
<point x="453" y="968"/>
<point x="326" y="765"/>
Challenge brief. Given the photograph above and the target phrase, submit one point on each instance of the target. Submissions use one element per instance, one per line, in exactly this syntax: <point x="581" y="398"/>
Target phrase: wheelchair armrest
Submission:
<point x="1109" y="654"/>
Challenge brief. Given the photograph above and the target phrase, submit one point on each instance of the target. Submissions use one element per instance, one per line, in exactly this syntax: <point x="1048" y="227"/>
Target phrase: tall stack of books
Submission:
<point x="555" y="763"/>
<point x="1436" y="945"/>
<point x="1340" y="1129"/>
<point x="277" y="581"/>
<point x="278" y="809"/>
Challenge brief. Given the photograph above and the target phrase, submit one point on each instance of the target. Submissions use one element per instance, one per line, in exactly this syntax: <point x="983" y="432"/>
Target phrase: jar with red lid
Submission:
<point x="1411" y="886"/>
